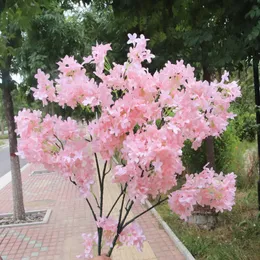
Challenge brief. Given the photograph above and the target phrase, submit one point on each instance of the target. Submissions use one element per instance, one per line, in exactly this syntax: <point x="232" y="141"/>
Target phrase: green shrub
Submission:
<point x="240" y="157"/>
<point x="245" y="126"/>
<point x="193" y="160"/>
<point x="231" y="155"/>
<point x="226" y="147"/>
<point x="245" y="164"/>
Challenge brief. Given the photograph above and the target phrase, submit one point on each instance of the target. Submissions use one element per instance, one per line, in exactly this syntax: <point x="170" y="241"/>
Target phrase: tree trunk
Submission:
<point x="210" y="153"/>
<point x="219" y="74"/>
<point x="18" y="205"/>
<point x="52" y="109"/>
<point x="257" y="103"/>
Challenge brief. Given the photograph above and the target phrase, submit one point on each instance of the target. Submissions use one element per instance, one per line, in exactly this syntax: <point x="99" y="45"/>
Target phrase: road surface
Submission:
<point x="5" y="161"/>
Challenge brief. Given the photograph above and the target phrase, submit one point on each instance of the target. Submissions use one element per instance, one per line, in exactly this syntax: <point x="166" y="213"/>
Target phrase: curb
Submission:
<point x="44" y="221"/>
<point x="7" y="178"/>
<point x="182" y="248"/>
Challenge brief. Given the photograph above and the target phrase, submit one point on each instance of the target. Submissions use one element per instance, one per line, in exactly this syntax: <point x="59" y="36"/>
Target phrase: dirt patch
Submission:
<point x="31" y="217"/>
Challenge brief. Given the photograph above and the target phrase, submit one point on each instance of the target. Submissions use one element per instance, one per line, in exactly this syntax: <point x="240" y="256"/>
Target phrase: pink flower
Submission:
<point x="69" y="66"/>
<point x="99" y="53"/>
<point x="132" y="38"/>
<point x="45" y="90"/>
<point x="57" y="144"/>
<point x="181" y="202"/>
<point x="206" y="189"/>
<point x="88" y="246"/>
<point x="109" y="226"/>
<point x="132" y="235"/>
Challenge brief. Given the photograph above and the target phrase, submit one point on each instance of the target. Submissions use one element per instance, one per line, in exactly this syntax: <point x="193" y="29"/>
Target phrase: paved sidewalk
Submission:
<point x="60" y="239"/>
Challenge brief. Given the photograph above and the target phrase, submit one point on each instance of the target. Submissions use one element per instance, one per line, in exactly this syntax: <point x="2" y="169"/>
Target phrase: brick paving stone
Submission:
<point x="60" y="238"/>
<point x="34" y="254"/>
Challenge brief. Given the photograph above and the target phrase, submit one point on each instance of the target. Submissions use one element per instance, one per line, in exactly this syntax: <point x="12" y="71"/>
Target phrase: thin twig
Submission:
<point x="139" y="215"/>
<point x="73" y="181"/>
<point x="110" y="168"/>
<point x="95" y="199"/>
<point x="59" y="141"/>
<point x="113" y="245"/>
<point x="119" y="196"/>
<point x="127" y="204"/>
<point x="102" y="189"/>
<point x="58" y="146"/>
<point x="119" y="230"/>
<point x="126" y="215"/>
<point x="90" y="206"/>
<point x="102" y="182"/>
<point x="98" y="170"/>
<point x="92" y="210"/>
<point x="121" y="212"/>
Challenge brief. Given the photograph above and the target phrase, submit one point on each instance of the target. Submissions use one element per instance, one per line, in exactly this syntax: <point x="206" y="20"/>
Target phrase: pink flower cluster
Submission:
<point x="99" y="53"/>
<point x="132" y="235"/>
<point x="145" y="117"/>
<point x="206" y="189"/>
<point x="89" y="241"/>
<point x="72" y="87"/>
<point x="152" y="164"/>
<point x="57" y="144"/>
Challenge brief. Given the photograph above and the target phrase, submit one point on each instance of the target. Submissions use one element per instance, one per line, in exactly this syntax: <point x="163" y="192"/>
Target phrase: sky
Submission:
<point x="15" y="77"/>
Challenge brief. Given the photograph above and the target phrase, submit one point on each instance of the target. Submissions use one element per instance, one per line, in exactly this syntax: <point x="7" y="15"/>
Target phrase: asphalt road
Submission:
<point x="5" y="161"/>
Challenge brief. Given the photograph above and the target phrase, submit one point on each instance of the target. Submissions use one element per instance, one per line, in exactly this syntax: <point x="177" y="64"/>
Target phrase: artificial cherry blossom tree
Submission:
<point x="145" y="120"/>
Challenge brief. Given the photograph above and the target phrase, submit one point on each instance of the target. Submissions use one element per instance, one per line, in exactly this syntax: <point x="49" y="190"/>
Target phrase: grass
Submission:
<point x="5" y="136"/>
<point x="237" y="236"/>
<point x="245" y="153"/>
<point x="1" y="143"/>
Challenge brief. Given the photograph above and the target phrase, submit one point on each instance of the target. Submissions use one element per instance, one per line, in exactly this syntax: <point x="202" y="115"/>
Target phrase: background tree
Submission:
<point x="2" y="117"/>
<point x="65" y="30"/>
<point x="55" y="33"/>
<point x="15" y="21"/>
<point x="251" y="38"/>
<point x="14" y="17"/>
